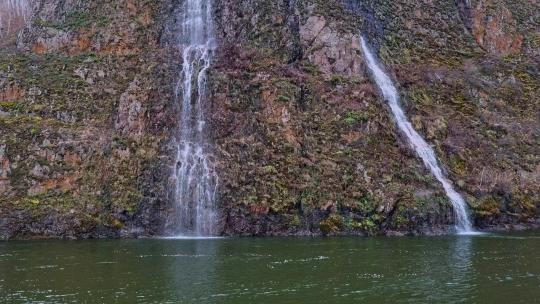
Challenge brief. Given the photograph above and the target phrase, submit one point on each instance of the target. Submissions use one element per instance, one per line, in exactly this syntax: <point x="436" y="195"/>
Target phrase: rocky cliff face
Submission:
<point x="304" y="144"/>
<point x="85" y="97"/>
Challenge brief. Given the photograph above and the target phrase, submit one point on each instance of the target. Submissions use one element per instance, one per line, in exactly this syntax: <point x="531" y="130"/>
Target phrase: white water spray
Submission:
<point x="195" y="180"/>
<point x="426" y="153"/>
<point x="13" y="15"/>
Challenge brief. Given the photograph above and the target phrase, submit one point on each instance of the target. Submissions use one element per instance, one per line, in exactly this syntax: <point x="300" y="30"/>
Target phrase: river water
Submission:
<point x="450" y="269"/>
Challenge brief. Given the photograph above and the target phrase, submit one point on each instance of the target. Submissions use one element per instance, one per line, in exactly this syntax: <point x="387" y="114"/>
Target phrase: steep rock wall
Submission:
<point x="475" y="99"/>
<point x="309" y="147"/>
<point x="85" y="110"/>
<point x="304" y="144"/>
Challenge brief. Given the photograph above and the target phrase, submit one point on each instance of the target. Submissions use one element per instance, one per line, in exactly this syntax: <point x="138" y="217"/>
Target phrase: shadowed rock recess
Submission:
<point x="303" y="144"/>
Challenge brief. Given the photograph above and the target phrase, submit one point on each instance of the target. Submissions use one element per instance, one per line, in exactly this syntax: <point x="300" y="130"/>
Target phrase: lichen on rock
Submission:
<point x="304" y="144"/>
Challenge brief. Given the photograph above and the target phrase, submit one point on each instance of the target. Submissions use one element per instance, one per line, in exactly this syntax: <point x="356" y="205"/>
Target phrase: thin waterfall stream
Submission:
<point x="420" y="146"/>
<point x="13" y="15"/>
<point x="195" y="181"/>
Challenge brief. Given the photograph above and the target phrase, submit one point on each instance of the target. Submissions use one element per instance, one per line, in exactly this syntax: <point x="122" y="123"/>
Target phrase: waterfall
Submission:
<point x="195" y="181"/>
<point x="13" y="13"/>
<point x="426" y="153"/>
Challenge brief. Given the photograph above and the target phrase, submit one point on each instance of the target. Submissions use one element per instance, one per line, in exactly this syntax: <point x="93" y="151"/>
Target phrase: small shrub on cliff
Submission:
<point x="336" y="80"/>
<point x="354" y="117"/>
<point x="369" y="225"/>
<point x="332" y="224"/>
<point x="487" y="206"/>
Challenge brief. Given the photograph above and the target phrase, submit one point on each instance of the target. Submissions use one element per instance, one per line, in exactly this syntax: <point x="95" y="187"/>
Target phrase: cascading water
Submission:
<point x="195" y="180"/>
<point x="390" y="94"/>
<point x="13" y="14"/>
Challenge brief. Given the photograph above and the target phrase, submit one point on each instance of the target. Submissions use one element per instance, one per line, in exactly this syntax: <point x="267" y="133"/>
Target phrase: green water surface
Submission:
<point x="451" y="269"/>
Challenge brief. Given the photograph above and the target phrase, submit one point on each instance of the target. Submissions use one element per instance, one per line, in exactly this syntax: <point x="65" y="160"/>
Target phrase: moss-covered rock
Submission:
<point x="303" y="143"/>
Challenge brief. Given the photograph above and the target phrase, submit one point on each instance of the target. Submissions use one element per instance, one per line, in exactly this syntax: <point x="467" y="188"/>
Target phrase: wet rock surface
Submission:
<point x="304" y="144"/>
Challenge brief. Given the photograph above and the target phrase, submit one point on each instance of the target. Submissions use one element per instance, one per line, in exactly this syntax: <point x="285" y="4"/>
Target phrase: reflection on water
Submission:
<point x="447" y="272"/>
<point x="454" y="269"/>
<point x="195" y="264"/>
<point x="461" y="266"/>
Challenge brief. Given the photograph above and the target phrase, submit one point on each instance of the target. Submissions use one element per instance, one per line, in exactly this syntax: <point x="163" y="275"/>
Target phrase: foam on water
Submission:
<point x="191" y="238"/>
<point x="472" y="233"/>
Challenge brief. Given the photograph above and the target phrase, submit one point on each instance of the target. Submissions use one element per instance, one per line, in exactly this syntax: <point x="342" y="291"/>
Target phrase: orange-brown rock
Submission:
<point x="12" y="93"/>
<point x="492" y="25"/>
